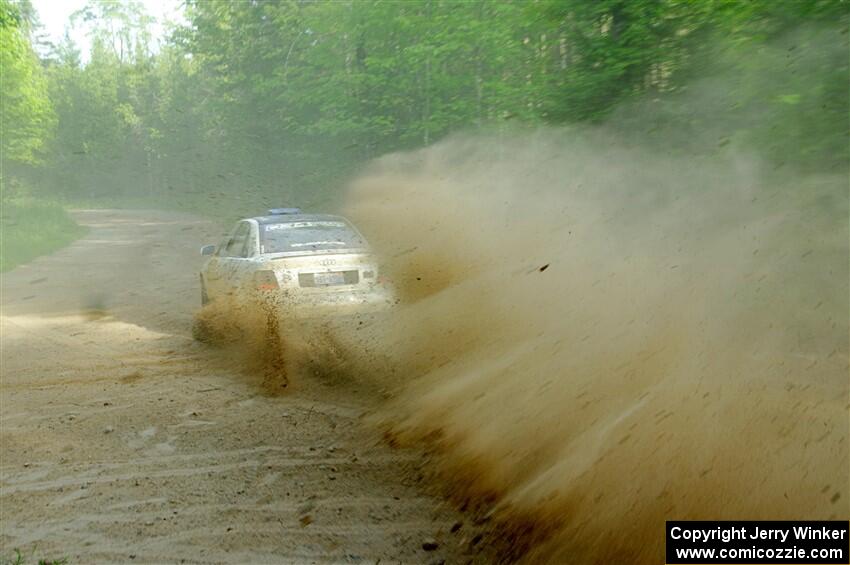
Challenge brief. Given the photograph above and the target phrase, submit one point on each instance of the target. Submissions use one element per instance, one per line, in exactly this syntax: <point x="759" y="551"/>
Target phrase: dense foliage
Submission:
<point x="25" y="111"/>
<point x="270" y="99"/>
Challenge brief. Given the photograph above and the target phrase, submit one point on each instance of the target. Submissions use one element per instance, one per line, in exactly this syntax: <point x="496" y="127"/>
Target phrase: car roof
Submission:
<point x="287" y="218"/>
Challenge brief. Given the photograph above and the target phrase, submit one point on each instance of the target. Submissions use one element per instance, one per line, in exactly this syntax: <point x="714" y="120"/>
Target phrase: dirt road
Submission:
<point x="125" y="441"/>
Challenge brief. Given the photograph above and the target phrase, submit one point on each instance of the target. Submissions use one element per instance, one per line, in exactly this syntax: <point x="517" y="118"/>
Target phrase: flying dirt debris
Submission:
<point x="594" y="338"/>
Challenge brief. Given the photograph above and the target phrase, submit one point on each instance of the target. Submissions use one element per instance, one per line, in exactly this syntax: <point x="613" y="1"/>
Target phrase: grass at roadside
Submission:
<point x="30" y="227"/>
<point x="21" y="559"/>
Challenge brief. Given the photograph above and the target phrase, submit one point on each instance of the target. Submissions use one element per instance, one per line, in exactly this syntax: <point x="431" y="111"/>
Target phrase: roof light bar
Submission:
<point x="283" y="211"/>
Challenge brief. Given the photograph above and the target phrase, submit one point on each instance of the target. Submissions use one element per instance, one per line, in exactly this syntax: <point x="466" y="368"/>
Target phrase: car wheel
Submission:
<point x="205" y="299"/>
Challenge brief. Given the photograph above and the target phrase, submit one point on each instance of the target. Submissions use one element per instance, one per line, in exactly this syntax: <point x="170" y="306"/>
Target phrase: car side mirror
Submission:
<point x="207" y="249"/>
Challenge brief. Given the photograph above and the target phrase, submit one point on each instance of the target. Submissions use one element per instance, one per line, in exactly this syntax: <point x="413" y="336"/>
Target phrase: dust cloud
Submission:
<point x="594" y="338"/>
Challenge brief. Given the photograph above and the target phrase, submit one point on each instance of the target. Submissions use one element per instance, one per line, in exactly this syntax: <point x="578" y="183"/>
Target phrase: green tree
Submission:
<point x="26" y="113"/>
<point x="266" y="101"/>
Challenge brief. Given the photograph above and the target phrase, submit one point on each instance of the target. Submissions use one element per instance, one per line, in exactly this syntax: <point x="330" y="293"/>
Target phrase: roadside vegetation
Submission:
<point x="20" y="558"/>
<point x="248" y="104"/>
<point x="29" y="225"/>
<point x="33" y="227"/>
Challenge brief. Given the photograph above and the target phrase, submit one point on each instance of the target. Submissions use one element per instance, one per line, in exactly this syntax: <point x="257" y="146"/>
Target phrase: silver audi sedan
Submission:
<point x="300" y="265"/>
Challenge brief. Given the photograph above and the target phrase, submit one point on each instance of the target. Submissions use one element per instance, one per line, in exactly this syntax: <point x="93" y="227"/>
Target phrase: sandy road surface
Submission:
<point x="125" y="441"/>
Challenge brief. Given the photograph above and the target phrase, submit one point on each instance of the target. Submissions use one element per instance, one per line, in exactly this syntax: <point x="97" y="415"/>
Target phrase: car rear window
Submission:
<point x="307" y="236"/>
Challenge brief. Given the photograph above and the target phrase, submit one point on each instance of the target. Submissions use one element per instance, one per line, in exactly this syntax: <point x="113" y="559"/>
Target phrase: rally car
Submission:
<point x="296" y="265"/>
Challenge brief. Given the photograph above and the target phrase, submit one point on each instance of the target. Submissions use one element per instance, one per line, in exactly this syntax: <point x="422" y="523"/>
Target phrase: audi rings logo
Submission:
<point x="327" y="262"/>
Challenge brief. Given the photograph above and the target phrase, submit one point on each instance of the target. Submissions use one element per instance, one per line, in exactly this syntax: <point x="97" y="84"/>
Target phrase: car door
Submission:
<point x="243" y="264"/>
<point x="211" y="273"/>
<point x="223" y="267"/>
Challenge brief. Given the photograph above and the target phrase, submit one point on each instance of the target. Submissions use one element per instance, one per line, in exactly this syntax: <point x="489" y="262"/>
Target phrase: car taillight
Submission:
<point x="383" y="280"/>
<point x="265" y="280"/>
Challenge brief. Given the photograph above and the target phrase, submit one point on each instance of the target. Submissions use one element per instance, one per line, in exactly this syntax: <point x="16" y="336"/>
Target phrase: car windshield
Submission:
<point x="306" y="236"/>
